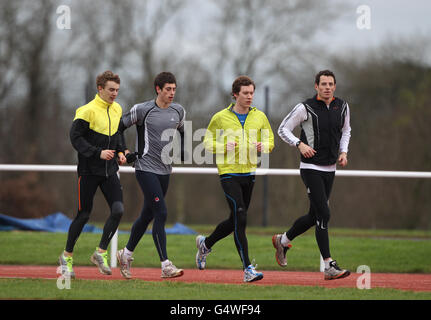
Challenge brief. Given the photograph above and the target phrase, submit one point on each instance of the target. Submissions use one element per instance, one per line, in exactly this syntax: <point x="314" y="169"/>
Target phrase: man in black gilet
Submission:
<point x="324" y="141"/>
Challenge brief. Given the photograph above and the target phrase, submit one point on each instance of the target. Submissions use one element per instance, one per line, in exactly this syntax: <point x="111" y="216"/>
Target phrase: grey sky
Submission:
<point x="394" y="19"/>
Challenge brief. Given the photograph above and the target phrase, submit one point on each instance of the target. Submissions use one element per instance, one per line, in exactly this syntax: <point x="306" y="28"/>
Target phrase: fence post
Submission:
<point x="114" y="248"/>
<point x="114" y="243"/>
<point x="322" y="264"/>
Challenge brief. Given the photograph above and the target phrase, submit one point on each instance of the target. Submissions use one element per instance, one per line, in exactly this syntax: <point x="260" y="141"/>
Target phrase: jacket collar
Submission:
<point x="318" y="99"/>
<point x="101" y="103"/>
<point x="230" y="107"/>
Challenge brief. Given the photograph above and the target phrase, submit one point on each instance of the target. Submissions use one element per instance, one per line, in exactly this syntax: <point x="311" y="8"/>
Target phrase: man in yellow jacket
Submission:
<point x="94" y="135"/>
<point x="236" y="134"/>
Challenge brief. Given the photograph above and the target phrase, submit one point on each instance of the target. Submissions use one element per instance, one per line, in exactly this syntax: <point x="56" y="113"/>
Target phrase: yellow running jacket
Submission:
<point x="225" y="126"/>
<point x="95" y="128"/>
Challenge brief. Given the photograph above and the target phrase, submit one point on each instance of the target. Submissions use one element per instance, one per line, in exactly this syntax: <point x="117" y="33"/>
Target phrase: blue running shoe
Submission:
<point x="203" y="252"/>
<point x="250" y="274"/>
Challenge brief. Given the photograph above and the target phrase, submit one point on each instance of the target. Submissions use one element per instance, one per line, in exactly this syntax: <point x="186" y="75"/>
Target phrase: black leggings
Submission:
<point x="238" y="190"/>
<point x="154" y="187"/>
<point x="87" y="187"/>
<point x="319" y="185"/>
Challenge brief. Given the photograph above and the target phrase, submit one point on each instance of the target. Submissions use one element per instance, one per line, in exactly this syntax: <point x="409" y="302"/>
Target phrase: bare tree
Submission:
<point x="266" y="40"/>
<point x="33" y="108"/>
<point x="9" y="45"/>
<point x="153" y="29"/>
<point x="99" y="39"/>
<point x="28" y="69"/>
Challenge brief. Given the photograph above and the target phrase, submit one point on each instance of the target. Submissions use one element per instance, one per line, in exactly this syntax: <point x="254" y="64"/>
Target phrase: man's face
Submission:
<point x="326" y="87"/>
<point x="110" y="92"/>
<point x="245" y="96"/>
<point x="167" y="93"/>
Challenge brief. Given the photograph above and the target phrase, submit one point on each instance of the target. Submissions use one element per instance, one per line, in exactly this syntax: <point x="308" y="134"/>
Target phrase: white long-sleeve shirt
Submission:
<point x="299" y="115"/>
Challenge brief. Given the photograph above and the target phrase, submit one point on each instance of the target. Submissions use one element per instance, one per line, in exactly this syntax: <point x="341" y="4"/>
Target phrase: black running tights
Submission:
<point x="87" y="187"/>
<point x="319" y="185"/>
<point x="154" y="187"/>
<point x="238" y="190"/>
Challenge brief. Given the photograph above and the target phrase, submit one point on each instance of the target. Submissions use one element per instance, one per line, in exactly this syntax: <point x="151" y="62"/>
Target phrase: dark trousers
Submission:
<point x="87" y="187"/>
<point x="238" y="190"/>
<point x="319" y="185"/>
<point x="154" y="187"/>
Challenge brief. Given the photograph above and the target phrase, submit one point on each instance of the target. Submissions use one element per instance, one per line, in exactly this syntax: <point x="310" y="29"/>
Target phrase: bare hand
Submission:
<point x="230" y="145"/>
<point x="259" y="146"/>
<point x="107" y="154"/>
<point x="342" y="159"/>
<point x="306" y="150"/>
<point x="121" y="159"/>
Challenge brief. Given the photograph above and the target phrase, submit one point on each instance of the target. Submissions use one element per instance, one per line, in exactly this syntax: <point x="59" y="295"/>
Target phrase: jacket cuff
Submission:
<point x="97" y="153"/>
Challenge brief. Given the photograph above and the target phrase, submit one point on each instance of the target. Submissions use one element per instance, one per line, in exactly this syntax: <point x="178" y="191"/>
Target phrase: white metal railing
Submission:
<point x="212" y="170"/>
<point x="197" y="170"/>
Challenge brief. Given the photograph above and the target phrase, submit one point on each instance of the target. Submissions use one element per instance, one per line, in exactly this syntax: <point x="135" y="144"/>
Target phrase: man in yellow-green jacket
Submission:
<point x="236" y="134"/>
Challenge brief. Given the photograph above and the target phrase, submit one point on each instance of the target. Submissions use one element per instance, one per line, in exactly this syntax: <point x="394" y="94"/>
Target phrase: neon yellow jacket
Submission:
<point x="95" y="128"/>
<point x="225" y="126"/>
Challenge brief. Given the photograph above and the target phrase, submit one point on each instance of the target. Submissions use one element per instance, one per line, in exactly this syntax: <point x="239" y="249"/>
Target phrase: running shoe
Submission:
<point x="203" y="252"/>
<point x="335" y="272"/>
<point x="170" y="271"/>
<point x="125" y="264"/>
<point x="250" y="274"/>
<point x="280" y="250"/>
<point x="101" y="261"/>
<point x="66" y="265"/>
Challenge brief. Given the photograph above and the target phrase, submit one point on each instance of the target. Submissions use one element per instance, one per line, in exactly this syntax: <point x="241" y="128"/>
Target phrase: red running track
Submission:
<point x="413" y="282"/>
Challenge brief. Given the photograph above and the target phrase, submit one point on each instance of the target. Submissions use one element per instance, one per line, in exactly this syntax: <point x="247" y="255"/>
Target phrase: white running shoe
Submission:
<point x="101" y="261"/>
<point x="66" y="266"/>
<point x="125" y="264"/>
<point x="335" y="272"/>
<point x="170" y="271"/>
<point x="280" y="250"/>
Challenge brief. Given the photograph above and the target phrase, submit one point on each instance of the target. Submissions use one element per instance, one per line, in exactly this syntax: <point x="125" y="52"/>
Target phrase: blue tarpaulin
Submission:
<point x="58" y="222"/>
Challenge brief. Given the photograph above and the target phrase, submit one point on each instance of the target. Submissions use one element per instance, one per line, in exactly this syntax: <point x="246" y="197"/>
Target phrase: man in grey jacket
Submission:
<point x="153" y="120"/>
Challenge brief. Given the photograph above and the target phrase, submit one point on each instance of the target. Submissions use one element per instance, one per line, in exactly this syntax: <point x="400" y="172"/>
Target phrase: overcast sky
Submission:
<point x="388" y="20"/>
<point x="394" y="20"/>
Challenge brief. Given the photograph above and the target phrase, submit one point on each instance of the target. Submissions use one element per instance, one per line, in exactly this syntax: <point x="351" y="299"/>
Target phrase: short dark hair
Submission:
<point x="163" y="78"/>
<point x="105" y="77"/>
<point x="239" y="82"/>
<point x="327" y="73"/>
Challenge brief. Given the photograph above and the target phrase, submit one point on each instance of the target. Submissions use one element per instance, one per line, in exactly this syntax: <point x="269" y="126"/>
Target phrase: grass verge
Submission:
<point x="381" y="251"/>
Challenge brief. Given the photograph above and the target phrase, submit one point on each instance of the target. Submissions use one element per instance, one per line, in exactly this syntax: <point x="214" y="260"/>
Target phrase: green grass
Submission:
<point x="382" y="251"/>
<point x="166" y="290"/>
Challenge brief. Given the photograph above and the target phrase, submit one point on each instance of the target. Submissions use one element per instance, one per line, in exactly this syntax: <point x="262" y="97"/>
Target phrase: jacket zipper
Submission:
<point x="331" y="137"/>
<point x="109" y="140"/>
<point x="242" y="125"/>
